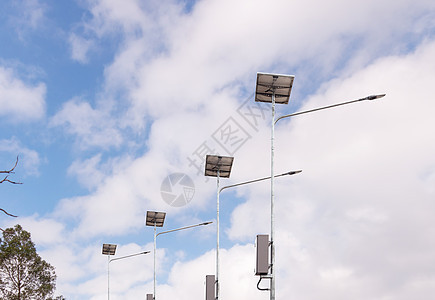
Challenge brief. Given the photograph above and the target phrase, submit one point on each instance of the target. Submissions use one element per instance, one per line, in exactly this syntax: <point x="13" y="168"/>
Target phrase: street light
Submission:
<point x="218" y="166"/>
<point x="110" y="249"/>
<point x="268" y="88"/>
<point x="276" y="88"/>
<point x="157" y="219"/>
<point x="215" y="166"/>
<point x="208" y="287"/>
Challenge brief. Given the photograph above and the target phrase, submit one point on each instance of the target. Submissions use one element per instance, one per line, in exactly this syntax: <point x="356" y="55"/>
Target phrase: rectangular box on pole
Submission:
<point x="262" y="265"/>
<point x="149" y="296"/>
<point x="210" y="287"/>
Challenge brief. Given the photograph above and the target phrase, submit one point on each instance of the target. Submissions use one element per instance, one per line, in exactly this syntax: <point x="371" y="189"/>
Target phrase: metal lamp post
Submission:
<point x="276" y="88"/>
<point x="156" y="219"/>
<point x="218" y="166"/>
<point x="269" y="88"/>
<point x="110" y="249"/>
<point x="239" y="184"/>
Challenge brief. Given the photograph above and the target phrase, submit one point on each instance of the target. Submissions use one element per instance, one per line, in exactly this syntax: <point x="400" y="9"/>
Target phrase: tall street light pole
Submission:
<point x="110" y="249"/>
<point x="258" y="180"/>
<point x="156" y="219"/>
<point x="215" y="165"/>
<point x="276" y="88"/>
<point x="269" y="87"/>
<point x="218" y="166"/>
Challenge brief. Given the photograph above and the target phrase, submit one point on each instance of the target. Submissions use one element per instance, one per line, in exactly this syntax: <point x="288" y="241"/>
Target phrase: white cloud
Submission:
<point x="27" y="16"/>
<point x="44" y="231"/>
<point x="200" y="58"/>
<point x="19" y="101"/>
<point x="236" y="275"/>
<point x="33" y="12"/>
<point x="183" y="58"/>
<point x="80" y="48"/>
<point x="89" y="172"/>
<point x="355" y="224"/>
<point x="27" y="158"/>
<point x="92" y="127"/>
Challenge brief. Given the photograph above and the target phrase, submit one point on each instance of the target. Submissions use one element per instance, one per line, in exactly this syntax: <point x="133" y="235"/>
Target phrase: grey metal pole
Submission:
<point x="272" y="216"/>
<point x="108" y="279"/>
<point x="154" y="294"/>
<point x="217" y="238"/>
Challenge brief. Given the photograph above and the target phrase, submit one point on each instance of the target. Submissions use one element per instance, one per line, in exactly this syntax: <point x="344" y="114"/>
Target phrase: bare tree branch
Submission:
<point x="6" y="179"/>
<point x="11" y="171"/>
<point x="7" y="213"/>
<point x="10" y="181"/>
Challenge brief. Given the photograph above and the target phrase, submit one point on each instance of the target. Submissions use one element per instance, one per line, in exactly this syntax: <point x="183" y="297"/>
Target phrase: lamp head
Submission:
<point x="109" y="249"/>
<point x="373" y="97"/>
<point x="293" y="172"/>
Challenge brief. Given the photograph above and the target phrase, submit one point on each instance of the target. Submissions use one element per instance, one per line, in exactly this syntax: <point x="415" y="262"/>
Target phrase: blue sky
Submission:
<point x="102" y="100"/>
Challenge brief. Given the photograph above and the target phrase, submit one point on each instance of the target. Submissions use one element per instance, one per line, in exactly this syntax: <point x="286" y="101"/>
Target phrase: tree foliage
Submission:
<point x="24" y="275"/>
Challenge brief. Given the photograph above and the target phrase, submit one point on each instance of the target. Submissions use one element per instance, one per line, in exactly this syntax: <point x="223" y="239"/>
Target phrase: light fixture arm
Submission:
<point x="372" y="97"/>
<point x="259" y="179"/>
<point x="182" y="228"/>
<point x="131" y="255"/>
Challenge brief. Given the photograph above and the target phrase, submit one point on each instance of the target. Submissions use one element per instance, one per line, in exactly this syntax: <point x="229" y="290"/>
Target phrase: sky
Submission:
<point x="108" y="103"/>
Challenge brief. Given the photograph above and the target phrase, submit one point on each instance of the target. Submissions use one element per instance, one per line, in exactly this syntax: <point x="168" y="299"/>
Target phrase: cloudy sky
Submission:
<point x="104" y="100"/>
